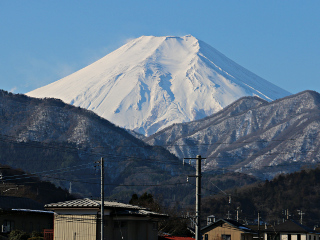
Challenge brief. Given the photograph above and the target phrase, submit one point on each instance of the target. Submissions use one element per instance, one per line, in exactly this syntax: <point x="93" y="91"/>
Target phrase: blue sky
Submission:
<point x="43" y="41"/>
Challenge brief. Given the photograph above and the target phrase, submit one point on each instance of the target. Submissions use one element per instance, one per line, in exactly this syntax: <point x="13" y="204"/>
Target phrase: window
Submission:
<point x="7" y="226"/>
<point x="226" y="237"/>
<point x="155" y="226"/>
<point x="206" y="237"/>
<point x="298" y="237"/>
<point x="289" y="236"/>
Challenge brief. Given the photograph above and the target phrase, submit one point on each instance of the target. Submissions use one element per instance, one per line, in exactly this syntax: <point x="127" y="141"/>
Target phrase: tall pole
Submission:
<point x="102" y="198"/>
<point x="198" y="198"/>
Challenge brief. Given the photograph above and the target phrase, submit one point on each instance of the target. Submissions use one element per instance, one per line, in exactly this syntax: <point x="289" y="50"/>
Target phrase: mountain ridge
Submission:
<point x="40" y="123"/>
<point x="257" y="140"/>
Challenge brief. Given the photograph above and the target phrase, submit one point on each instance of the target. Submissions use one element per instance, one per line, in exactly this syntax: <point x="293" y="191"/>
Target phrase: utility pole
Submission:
<point x="198" y="196"/>
<point x="102" y="198"/>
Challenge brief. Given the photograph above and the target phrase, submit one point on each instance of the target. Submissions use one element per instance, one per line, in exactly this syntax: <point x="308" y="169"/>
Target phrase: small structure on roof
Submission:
<point x="226" y="229"/>
<point x="80" y="219"/>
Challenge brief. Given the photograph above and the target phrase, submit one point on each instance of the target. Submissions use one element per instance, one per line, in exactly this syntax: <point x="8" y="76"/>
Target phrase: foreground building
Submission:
<point x="80" y="219"/>
<point x="23" y="214"/>
<point x="290" y="230"/>
<point x="227" y="229"/>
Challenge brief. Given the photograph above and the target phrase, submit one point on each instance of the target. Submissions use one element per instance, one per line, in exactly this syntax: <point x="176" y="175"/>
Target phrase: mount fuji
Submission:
<point x="153" y="82"/>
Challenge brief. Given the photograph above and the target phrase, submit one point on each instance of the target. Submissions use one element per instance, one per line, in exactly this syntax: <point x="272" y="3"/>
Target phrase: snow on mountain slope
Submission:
<point x="153" y="82"/>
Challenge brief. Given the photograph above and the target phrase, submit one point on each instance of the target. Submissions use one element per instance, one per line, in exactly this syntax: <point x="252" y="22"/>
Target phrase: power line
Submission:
<point x="50" y="171"/>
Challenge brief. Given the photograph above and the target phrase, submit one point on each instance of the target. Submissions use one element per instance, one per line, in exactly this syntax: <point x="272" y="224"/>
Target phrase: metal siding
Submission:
<point x="75" y="227"/>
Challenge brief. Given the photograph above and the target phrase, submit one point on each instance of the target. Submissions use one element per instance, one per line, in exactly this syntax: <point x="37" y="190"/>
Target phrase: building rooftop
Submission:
<point x="233" y="223"/>
<point x="290" y="226"/>
<point x="89" y="203"/>
<point x="119" y="208"/>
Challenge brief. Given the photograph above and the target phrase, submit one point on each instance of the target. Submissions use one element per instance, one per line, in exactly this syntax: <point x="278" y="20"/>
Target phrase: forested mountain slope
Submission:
<point x="47" y="134"/>
<point x="291" y="192"/>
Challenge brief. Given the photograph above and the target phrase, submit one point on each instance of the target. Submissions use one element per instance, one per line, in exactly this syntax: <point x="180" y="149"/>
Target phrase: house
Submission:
<point x="290" y="230"/>
<point x="226" y="229"/>
<point x="80" y="219"/>
<point x="23" y="214"/>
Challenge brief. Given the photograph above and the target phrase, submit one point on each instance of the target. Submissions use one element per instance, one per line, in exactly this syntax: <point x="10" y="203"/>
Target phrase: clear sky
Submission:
<point x="43" y="41"/>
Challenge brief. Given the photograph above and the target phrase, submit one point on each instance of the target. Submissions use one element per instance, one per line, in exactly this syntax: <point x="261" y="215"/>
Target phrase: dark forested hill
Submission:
<point x="292" y="192"/>
<point x="15" y="182"/>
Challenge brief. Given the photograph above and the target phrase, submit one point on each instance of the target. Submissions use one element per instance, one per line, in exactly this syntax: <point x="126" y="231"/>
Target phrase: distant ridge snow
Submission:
<point x="153" y="82"/>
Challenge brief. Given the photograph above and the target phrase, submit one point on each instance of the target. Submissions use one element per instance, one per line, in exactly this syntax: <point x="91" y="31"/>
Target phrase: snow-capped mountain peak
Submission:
<point x="152" y="82"/>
